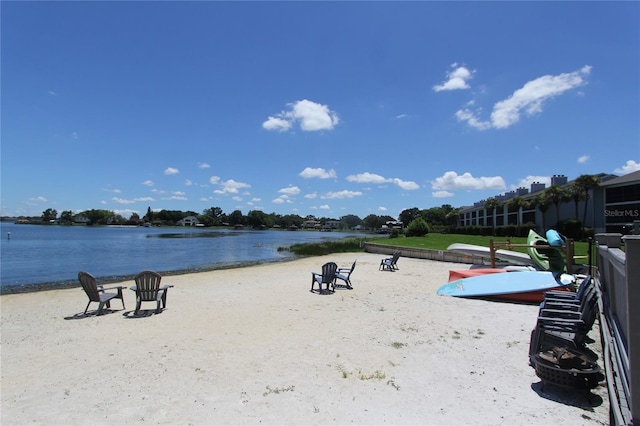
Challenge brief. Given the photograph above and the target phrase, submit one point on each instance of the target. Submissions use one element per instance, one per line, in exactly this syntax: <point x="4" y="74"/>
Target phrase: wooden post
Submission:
<point x="492" y="251"/>
<point x="569" y="255"/>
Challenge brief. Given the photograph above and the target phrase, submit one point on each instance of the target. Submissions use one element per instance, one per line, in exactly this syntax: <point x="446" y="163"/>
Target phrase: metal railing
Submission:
<point x="618" y="276"/>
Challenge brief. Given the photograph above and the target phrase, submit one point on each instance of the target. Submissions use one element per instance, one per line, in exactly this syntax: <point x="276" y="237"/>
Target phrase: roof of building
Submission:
<point x="633" y="177"/>
<point x="604" y="177"/>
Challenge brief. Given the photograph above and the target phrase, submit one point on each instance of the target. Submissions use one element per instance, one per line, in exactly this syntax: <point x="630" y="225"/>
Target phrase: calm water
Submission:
<point x="40" y="256"/>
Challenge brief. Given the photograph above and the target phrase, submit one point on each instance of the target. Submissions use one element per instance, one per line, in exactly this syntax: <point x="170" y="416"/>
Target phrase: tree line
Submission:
<point x="439" y="219"/>
<point x="442" y="216"/>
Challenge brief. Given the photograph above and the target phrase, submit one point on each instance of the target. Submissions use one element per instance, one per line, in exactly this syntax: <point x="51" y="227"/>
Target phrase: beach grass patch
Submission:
<point x="271" y="390"/>
<point x="348" y="245"/>
<point x="398" y="345"/>
<point x="377" y="375"/>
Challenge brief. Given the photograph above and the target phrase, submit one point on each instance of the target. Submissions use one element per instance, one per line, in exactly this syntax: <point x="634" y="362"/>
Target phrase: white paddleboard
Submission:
<point x="485" y="252"/>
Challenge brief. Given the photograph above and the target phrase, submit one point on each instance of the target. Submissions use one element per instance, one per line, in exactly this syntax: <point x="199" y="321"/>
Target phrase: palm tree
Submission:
<point x="514" y="205"/>
<point x="543" y="202"/>
<point x="490" y="205"/>
<point x="586" y="183"/>
<point x="576" y="194"/>
<point x="555" y="194"/>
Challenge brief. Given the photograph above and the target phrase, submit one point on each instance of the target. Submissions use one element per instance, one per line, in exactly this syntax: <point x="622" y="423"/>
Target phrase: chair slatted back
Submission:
<point x="352" y="268"/>
<point x="147" y="285"/>
<point x="89" y="285"/>
<point x="329" y="272"/>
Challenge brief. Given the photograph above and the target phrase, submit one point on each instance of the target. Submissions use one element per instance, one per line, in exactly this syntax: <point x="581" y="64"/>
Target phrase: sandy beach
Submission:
<point x="254" y="346"/>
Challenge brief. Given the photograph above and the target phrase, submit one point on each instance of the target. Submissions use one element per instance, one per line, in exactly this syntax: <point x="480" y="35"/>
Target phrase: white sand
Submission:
<point x="255" y="346"/>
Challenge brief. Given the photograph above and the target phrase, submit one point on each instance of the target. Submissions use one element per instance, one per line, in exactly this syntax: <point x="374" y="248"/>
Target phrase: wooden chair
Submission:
<point x="148" y="289"/>
<point x="97" y="293"/>
<point x="327" y="276"/>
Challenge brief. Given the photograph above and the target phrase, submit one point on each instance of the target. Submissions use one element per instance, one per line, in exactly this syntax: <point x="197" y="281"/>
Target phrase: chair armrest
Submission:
<point x="120" y="287"/>
<point x="560" y="324"/>
<point x="165" y="287"/>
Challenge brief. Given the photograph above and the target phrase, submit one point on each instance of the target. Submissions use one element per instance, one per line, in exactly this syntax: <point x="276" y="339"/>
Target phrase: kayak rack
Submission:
<point x="494" y="246"/>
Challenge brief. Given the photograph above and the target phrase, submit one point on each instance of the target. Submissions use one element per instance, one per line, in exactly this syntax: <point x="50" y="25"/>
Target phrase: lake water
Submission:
<point x="49" y="256"/>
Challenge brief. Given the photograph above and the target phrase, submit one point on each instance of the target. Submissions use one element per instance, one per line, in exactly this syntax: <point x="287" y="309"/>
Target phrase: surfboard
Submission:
<point x="485" y="252"/>
<point x="518" y="286"/>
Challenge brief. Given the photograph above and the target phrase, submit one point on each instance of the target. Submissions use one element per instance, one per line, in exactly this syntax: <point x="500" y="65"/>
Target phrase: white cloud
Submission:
<point x="228" y="187"/>
<point x="148" y="183"/>
<point x="584" y="159"/>
<point x="39" y="199"/>
<point x="290" y="190"/>
<point x="203" y="165"/>
<point x="133" y="201"/>
<point x="629" y="167"/>
<point x="214" y="180"/>
<point x="442" y="194"/>
<point x="456" y="79"/>
<point x="341" y="194"/>
<point x="310" y="116"/>
<point x="472" y="120"/>
<point x="309" y="173"/>
<point x="452" y="181"/>
<point x="282" y="199"/>
<point x="367" y="177"/>
<point x="236" y="198"/>
<point x="122" y="201"/>
<point x="382" y="209"/>
<point x="171" y="171"/>
<point x="188" y="182"/>
<point x="176" y="198"/>
<point x="115" y="191"/>
<point x="311" y="196"/>
<point x="325" y="207"/>
<point x="276" y="123"/>
<point x="528" y="99"/>
<point x="407" y="185"/>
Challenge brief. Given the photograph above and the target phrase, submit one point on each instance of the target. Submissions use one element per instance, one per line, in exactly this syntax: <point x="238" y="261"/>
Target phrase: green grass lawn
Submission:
<point x="442" y="241"/>
<point x="432" y="241"/>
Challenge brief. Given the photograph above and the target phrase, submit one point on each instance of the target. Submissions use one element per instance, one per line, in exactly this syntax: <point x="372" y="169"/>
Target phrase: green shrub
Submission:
<point x="417" y="228"/>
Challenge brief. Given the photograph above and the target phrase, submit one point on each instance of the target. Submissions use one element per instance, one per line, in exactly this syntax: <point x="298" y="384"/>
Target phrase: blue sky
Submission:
<point x="321" y="108"/>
